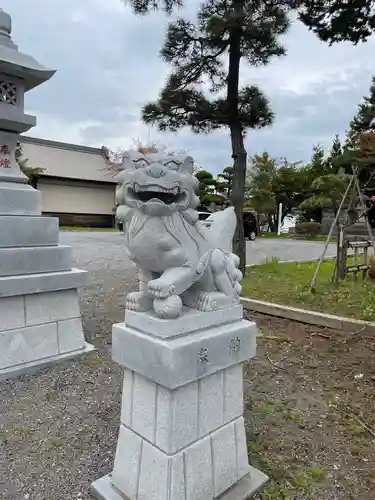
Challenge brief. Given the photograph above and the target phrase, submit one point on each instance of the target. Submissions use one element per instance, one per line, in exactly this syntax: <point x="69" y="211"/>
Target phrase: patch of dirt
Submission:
<point x="309" y="397"/>
<point x="310" y="411"/>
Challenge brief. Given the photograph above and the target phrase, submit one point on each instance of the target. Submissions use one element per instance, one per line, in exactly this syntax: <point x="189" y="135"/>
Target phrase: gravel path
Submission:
<point x="58" y="429"/>
<point x="91" y="249"/>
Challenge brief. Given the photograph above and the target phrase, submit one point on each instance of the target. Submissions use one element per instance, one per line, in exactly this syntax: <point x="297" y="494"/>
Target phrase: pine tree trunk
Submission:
<point x="237" y="197"/>
<point x="238" y="151"/>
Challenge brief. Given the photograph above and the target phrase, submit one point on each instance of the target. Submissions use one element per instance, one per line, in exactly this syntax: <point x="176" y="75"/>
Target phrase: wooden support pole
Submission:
<point x="313" y="281"/>
<point x="365" y="262"/>
<point x="369" y="230"/>
<point x="356" y="262"/>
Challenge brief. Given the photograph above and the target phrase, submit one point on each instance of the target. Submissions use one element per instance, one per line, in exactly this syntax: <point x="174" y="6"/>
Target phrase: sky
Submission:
<point x="108" y="66"/>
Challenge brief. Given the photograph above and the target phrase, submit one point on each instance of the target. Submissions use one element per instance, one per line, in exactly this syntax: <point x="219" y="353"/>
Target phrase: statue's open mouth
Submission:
<point x="157" y="193"/>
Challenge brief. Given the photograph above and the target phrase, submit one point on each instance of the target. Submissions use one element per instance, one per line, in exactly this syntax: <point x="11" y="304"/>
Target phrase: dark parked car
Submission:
<point x="250" y="225"/>
<point x="203" y="215"/>
<point x="249" y="222"/>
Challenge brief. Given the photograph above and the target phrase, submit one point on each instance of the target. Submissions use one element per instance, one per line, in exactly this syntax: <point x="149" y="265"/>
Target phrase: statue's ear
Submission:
<point x="187" y="165"/>
<point x="127" y="160"/>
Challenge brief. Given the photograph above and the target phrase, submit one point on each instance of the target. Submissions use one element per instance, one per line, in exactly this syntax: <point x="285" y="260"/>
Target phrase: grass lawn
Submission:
<point x="76" y="228"/>
<point x="289" y="283"/>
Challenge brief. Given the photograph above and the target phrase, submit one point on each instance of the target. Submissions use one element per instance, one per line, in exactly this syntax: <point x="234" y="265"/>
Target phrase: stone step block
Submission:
<point x="202" y="471"/>
<point x="44" y="282"/>
<point x="17" y="231"/>
<point x="39" y="309"/>
<point x="12" y="313"/>
<point x="18" y="261"/>
<point x="28" y="344"/>
<point x="180" y="360"/>
<point x="39" y="330"/>
<point x="173" y="419"/>
<point x="19" y="199"/>
<point x="47" y="307"/>
<point x="70" y="335"/>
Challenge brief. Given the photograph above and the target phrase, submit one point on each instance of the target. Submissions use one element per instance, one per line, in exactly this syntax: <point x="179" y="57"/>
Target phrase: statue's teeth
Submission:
<point x="136" y="188"/>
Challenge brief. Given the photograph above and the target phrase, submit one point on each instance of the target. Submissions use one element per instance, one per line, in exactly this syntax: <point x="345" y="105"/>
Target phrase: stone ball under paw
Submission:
<point x="168" y="308"/>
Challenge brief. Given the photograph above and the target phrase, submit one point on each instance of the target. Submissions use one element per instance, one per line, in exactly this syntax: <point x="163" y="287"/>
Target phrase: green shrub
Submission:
<point x="308" y="228"/>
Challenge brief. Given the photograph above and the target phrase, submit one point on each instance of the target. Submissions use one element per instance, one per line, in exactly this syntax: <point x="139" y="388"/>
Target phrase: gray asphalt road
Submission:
<point x="284" y="250"/>
<point x="103" y="252"/>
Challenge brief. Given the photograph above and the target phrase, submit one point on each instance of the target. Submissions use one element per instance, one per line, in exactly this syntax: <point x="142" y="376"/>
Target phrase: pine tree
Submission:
<point x="225" y="34"/>
<point x="318" y="165"/>
<point x="260" y="179"/>
<point x="207" y="188"/>
<point x="336" y="149"/>
<point x="335" y="161"/>
<point x="225" y="182"/>
<point x="364" y="120"/>
<point x="359" y="146"/>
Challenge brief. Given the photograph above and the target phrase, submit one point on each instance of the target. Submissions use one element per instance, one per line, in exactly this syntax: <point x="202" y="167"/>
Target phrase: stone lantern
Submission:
<point x="40" y="321"/>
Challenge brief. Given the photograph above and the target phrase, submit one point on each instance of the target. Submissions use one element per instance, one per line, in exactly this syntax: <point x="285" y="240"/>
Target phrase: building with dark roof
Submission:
<point x="76" y="184"/>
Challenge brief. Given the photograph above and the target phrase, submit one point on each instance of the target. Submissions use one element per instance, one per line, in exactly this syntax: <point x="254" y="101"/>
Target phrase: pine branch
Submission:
<point x="145" y="6"/>
<point x="338" y="20"/>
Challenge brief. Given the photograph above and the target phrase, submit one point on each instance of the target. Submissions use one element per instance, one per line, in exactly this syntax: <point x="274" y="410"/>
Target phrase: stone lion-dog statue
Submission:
<point x="180" y="262"/>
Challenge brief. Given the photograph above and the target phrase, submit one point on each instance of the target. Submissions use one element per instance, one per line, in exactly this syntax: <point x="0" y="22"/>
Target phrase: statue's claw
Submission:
<point x="210" y="301"/>
<point x="138" y="301"/>
<point x="160" y="289"/>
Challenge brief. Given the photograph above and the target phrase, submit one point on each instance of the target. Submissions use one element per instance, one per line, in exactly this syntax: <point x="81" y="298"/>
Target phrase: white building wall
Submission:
<point x="77" y="198"/>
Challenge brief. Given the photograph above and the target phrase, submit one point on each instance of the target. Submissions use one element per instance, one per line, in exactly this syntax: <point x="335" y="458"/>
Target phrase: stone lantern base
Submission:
<point x="182" y="432"/>
<point x="40" y="319"/>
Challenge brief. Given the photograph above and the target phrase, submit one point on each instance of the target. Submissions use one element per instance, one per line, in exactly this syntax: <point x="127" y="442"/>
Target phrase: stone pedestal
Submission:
<point x="182" y="433"/>
<point x="40" y="320"/>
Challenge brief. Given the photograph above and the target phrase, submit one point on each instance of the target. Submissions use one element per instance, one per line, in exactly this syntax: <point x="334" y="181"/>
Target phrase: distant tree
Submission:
<point x="327" y="180"/>
<point x="358" y="141"/>
<point x="328" y="192"/>
<point x="260" y="182"/>
<point x="207" y="188"/>
<point x="271" y="182"/>
<point x="318" y="165"/>
<point x="364" y="120"/>
<point x="289" y="185"/>
<point x="336" y="148"/>
<point x="225" y="182"/>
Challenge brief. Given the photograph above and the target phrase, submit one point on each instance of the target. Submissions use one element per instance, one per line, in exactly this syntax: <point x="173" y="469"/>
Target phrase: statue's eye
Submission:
<point x="140" y="164"/>
<point x="172" y="165"/>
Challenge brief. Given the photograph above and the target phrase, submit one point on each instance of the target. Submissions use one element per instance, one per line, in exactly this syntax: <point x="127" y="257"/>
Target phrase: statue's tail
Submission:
<point x="222" y="229"/>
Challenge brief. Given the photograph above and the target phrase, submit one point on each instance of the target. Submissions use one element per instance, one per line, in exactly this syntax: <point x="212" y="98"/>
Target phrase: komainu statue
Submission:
<point x="180" y="262"/>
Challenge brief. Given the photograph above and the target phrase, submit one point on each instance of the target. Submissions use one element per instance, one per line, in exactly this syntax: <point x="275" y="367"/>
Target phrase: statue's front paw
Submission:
<point x="160" y="289"/>
<point x="138" y="301"/>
